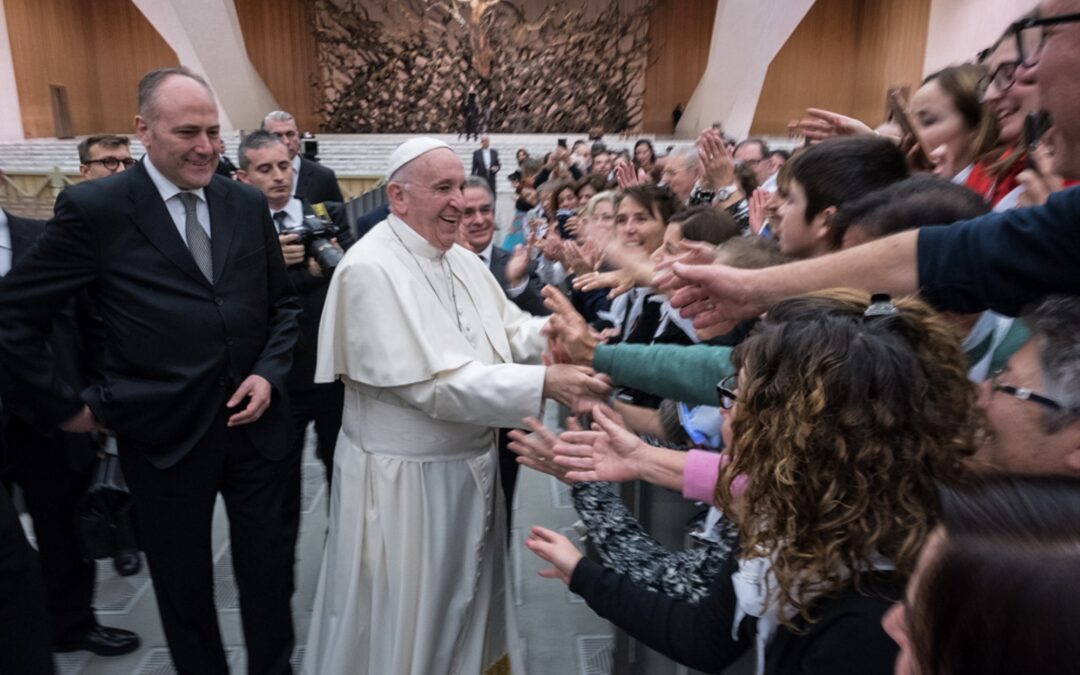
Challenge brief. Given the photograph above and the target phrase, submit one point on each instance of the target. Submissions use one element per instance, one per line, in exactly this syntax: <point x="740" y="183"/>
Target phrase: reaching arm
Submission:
<point x="678" y="372"/>
<point x="722" y="295"/>
<point x="627" y="549"/>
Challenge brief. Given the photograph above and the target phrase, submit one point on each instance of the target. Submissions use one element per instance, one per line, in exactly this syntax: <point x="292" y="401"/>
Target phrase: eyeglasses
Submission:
<point x="1003" y="78"/>
<point x="1031" y="36"/>
<point x="725" y="391"/>
<point x="112" y="163"/>
<point x="1025" y="394"/>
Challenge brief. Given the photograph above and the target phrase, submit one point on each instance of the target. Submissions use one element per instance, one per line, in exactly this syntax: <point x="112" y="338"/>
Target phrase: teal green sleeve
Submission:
<point x="682" y="373"/>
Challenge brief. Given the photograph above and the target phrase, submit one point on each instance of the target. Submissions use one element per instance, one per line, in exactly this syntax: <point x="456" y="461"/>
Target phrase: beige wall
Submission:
<point x="746" y="35"/>
<point x="844" y="56"/>
<point x="960" y="29"/>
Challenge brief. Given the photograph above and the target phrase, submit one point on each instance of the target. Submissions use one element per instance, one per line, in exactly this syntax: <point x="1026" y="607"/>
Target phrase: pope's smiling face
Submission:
<point x="428" y="196"/>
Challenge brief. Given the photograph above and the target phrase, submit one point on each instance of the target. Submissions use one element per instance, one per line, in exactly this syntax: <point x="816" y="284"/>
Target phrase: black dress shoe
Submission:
<point x="103" y="641"/>
<point x="127" y="563"/>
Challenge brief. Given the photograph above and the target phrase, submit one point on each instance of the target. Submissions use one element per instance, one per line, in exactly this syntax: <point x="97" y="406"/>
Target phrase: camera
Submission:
<point x="316" y="235"/>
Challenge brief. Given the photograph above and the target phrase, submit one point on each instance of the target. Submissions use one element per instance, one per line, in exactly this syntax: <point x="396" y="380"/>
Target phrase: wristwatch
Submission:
<point x="724" y="193"/>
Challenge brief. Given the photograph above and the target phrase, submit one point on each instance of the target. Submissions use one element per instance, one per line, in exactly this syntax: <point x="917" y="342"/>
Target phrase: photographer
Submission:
<point x="310" y="254"/>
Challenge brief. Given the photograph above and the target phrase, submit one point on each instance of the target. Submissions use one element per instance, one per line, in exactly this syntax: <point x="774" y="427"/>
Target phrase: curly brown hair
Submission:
<point x="844" y="426"/>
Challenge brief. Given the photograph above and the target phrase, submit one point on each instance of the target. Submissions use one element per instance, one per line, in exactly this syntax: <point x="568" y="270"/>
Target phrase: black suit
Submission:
<point x="52" y="467"/>
<point x="317" y="183"/>
<point x="532" y="302"/>
<point x="311" y="402"/>
<point x="530" y="299"/>
<point x="24" y="623"/>
<point x="480" y="169"/>
<point x="176" y="346"/>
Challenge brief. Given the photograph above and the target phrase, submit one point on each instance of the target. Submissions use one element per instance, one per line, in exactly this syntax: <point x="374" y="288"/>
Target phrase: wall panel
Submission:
<point x="281" y="46"/>
<point x="49" y="45"/>
<point x="844" y="57"/>
<point x="679" y="37"/>
<point x="126" y="46"/>
<point x="96" y="50"/>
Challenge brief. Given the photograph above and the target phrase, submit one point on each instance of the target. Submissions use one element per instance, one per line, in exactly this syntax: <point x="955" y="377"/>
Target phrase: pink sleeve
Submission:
<point x="700" y="475"/>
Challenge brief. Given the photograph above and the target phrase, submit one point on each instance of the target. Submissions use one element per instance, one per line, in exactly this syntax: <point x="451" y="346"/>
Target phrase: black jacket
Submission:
<point x="317" y="183"/>
<point x="846" y="637"/>
<point x="75" y="339"/>
<point x="530" y="300"/>
<point x="312" y="292"/>
<point x="175" y="345"/>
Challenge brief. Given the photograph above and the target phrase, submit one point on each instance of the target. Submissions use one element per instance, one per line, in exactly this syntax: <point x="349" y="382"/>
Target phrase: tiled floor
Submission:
<point x="559" y="634"/>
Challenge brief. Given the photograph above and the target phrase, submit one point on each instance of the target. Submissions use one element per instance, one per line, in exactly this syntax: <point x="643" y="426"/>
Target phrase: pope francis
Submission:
<point x="432" y="356"/>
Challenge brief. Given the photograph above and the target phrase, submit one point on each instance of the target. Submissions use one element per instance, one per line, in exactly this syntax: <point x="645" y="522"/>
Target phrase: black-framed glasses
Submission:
<point x="725" y="391"/>
<point x="1031" y="35"/>
<point x="112" y="163"/>
<point x="1003" y="78"/>
<point x="1025" y="394"/>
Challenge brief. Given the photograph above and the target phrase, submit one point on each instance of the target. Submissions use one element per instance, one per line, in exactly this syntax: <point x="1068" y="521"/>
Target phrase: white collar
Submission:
<point x="165" y="187"/>
<point x="412" y="239"/>
<point x="5" y="230"/>
<point x="296" y="165"/>
<point x="294" y="209"/>
<point x="486" y="253"/>
<point x="756" y="589"/>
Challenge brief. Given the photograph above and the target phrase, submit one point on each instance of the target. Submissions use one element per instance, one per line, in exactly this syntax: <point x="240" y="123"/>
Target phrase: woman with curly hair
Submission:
<point x="834" y="451"/>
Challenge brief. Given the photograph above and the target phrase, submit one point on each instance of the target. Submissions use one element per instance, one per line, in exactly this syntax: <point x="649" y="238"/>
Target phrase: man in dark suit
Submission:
<point x="265" y="165"/>
<point x="53" y="468"/>
<point x="311" y="181"/>
<point x="485" y="162"/>
<point x="200" y="324"/>
<point x="514" y="272"/>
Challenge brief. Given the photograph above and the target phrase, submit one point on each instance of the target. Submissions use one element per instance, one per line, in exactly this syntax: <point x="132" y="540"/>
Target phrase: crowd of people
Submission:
<point x="863" y="356"/>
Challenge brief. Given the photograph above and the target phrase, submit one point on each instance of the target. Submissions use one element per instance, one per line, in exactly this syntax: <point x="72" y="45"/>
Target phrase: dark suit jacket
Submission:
<point x="317" y="183"/>
<point x="225" y="167"/>
<point x="478" y="168"/>
<point x="530" y="300"/>
<point x="312" y="291"/>
<point x="176" y="345"/>
<point x="74" y="339"/>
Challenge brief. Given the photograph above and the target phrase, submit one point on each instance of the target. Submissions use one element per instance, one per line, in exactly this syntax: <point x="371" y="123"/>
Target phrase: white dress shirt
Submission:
<point x="5" y="245"/>
<point x="170" y="194"/>
<point x="294" y="214"/>
<point x="295" y="173"/>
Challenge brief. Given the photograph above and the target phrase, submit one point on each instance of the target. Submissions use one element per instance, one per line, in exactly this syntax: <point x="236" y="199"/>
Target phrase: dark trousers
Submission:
<point x="175" y="509"/>
<point x="321" y="405"/>
<point x="508" y="472"/>
<point x="52" y="489"/>
<point x="24" y="621"/>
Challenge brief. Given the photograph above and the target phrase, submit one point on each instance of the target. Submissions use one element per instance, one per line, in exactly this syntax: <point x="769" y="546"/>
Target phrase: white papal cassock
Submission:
<point x="414" y="577"/>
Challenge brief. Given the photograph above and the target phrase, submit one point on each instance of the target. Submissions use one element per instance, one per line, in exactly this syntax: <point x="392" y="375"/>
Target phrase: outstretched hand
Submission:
<point x="608" y="451"/>
<point x="714" y="295"/>
<point x="557" y="550"/>
<point x="535" y="449"/>
<point x="819" y="125"/>
<point x="691" y="253"/>
<point x="572" y="340"/>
